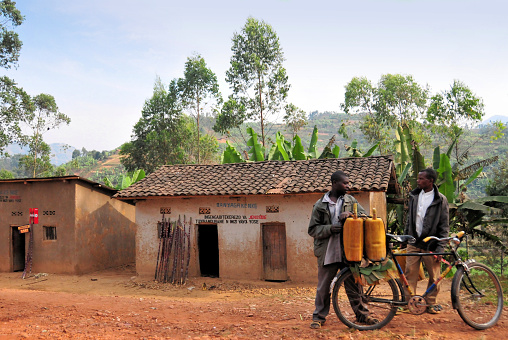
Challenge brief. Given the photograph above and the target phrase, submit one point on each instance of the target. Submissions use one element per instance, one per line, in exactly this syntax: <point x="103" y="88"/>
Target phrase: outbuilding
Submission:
<point x="249" y="220"/>
<point x="80" y="227"/>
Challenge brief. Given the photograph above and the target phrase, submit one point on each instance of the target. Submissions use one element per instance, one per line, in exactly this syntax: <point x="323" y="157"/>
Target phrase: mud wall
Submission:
<point x="238" y="221"/>
<point x="105" y="231"/>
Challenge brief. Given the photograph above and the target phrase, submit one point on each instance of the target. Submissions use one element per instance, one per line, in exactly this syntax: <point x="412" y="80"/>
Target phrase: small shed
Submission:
<point x="249" y="220"/>
<point x="80" y="229"/>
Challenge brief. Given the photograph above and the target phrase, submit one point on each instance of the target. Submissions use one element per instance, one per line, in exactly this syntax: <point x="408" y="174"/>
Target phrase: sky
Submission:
<point x="100" y="58"/>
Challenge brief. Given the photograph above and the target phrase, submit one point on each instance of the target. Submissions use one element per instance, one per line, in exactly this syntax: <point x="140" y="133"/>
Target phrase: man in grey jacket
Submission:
<point x="427" y="216"/>
<point x="325" y="226"/>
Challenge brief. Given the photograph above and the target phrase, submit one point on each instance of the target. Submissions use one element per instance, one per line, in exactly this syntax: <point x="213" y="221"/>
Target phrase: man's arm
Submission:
<point x="443" y="227"/>
<point x="317" y="229"/>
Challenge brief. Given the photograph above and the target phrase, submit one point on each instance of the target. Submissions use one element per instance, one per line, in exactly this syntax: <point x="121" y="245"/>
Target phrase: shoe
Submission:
<point x="402" y="310"/>
<point x="315" y="324"/>
<point x="434" y="309"/>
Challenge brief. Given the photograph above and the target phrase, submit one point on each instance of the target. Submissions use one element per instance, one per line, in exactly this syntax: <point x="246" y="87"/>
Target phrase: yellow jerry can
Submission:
<point x="375" y="238"/>
<point x="352" y="237"/>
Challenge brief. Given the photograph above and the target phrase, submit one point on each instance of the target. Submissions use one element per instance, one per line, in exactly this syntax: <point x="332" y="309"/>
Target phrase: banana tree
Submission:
<point x="127" y="180"/>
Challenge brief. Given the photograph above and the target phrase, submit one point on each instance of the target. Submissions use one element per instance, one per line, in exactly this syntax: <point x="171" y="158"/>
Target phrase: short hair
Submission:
<point x="430" y="174"/>
<point x="338" y="176"/>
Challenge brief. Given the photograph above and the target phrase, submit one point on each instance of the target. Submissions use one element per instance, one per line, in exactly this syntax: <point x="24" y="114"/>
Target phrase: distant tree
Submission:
<point x="75" y="153"/>
<point x="163" y="134"/>
<point x="256" y="76"/>
<point x="44" y="117"/>
<point x="199" y="91"/>
<point x="295" y="118"/>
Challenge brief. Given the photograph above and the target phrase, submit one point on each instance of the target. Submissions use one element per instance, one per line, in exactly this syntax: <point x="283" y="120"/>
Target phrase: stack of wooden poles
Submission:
<point x="173" y="257"/>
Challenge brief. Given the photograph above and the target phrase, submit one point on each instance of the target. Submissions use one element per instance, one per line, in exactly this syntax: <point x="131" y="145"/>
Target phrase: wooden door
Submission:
<point x="274" y="251"/>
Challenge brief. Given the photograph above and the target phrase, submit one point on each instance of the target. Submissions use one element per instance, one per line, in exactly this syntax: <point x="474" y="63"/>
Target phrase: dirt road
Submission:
<point x="117" y="305"/>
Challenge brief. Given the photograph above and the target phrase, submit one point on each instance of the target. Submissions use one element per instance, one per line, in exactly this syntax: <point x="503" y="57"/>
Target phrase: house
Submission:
<point x="249" y="220"/>
<point x="80" y="228"/>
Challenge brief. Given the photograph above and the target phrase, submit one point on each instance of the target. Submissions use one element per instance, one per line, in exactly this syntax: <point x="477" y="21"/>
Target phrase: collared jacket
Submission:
<point x="435" y="222"/>
<point x="321" y="222"/>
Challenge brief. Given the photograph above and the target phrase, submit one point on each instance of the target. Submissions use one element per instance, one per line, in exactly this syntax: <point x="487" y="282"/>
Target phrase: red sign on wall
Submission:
<point x="34" y="215"/>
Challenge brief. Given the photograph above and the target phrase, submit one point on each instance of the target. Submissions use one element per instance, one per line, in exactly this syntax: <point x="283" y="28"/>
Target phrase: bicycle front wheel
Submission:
<point x="477" y="295"/>
<point x="364" y="307"/>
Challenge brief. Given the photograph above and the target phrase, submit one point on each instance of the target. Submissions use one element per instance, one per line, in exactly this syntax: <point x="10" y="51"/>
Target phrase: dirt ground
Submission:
<point x="116" y="304"/>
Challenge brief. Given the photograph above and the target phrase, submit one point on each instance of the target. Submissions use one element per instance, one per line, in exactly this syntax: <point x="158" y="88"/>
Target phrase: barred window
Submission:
<point x="49" y="233"/>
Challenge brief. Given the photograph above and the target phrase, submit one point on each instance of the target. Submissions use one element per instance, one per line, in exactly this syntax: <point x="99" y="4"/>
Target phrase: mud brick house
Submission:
<point x="250" y="220"/>
<point x="81" y="228"/>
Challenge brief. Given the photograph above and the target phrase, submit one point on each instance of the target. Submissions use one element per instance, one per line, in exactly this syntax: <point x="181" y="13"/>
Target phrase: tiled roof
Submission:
<point x="261" y="178"/>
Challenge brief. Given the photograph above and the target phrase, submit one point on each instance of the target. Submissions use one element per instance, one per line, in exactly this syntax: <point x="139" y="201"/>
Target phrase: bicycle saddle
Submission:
<point x="402" y="238"/>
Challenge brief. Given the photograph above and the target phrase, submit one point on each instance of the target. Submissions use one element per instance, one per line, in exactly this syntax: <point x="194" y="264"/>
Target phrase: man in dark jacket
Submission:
<point x="325" y="226"/>
<point x="427" y="216"/>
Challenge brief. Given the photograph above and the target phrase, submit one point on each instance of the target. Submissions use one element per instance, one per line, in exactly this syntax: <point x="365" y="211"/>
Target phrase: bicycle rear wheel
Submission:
<point x="477" y="295"/>
<point x="354" y="302"/>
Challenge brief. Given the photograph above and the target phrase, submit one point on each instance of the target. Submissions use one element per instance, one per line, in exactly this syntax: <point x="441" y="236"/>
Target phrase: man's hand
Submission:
<point x="336" y="228"/>
<point x="438" y="258"/>
<point x="344" y="215"/>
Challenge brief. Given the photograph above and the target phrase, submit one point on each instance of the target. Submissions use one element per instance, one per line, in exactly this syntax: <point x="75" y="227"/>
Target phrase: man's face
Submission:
<point x="423" y="182"/>
<point x="341" y="186"/>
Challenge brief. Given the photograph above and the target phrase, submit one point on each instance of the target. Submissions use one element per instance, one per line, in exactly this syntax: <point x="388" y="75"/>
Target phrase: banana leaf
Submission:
<point x="336" y="151"/>
<point x="257" y="151"/>
<point x="371" y="150"/>
<point x="447" y="186"/>
<point x="231" y="155"/>
<point x="312" y="146"/>
<point x="298" y="150"/>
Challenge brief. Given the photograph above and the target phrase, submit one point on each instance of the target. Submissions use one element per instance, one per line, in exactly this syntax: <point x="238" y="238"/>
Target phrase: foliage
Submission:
<point x="256" y="76"/>
<point x="199" y="91"/>
<point x="396" y="100"/>
<point x="6" y="174"/>
<point x="14" y="102"/>
<point x="44" y="117"/>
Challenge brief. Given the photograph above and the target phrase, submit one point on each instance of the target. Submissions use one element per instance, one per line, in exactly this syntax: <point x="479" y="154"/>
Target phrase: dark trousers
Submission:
<point x="322" y="301"/>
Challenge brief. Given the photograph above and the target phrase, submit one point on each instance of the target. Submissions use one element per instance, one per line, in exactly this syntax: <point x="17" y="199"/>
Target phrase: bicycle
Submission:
<point x="476" y="292"/>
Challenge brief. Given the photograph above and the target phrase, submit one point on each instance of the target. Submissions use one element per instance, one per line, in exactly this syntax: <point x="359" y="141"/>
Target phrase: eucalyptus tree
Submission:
<point x="42" y="117"/>
<point x="256" y="76"/>
<point x="396" y="100"/>
<point x="199" y="91"/>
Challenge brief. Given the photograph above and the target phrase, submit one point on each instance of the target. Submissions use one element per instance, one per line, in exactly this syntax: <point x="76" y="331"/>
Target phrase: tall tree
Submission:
<point x="12" y="97"/>
<point x="199" y="91"/>
<point x="256" y="76"/>
<point x="43" y="117"/>
<point x="10" y="44"/>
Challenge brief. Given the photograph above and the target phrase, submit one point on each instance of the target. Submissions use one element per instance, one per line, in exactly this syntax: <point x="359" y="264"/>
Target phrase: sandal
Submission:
<point x="316" y="324"/>
<point x="434" y="309"/>
<point x="402" y="310"/>
<point x="370" y="321"/>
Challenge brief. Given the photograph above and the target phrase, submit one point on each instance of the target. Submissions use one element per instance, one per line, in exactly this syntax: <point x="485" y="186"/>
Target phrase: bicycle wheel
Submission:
<point x="354" y="302"/>
<point x="477" y="295"/>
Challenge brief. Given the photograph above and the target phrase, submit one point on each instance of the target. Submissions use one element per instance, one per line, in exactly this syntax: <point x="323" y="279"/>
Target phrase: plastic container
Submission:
<point x="375" y="238"/>
<point x="352" y="237"/>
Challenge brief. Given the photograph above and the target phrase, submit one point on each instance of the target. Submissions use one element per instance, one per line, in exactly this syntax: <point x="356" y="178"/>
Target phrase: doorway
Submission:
<point x="274" y="251"/>
<point x="18" y="250"/>
<point x="208" y="248"/>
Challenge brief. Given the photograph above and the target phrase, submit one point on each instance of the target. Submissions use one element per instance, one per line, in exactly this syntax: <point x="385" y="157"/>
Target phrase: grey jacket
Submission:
<point x="320" y="224"/>
<point x="435" y="222"/>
